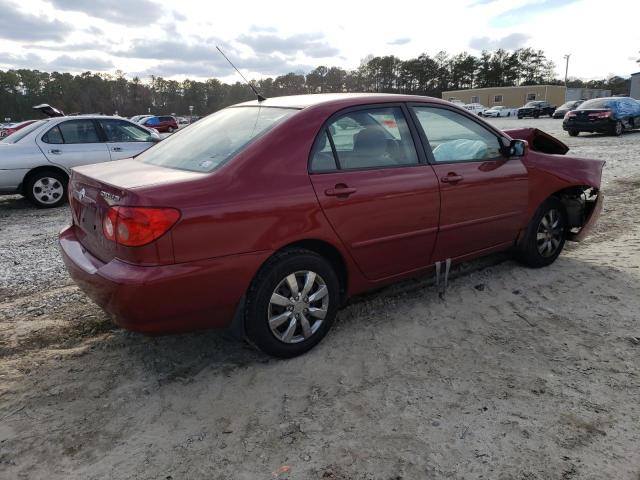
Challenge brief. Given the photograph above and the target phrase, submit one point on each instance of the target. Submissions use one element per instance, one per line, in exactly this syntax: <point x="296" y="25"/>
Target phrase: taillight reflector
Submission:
<point x="600" y="114"/>
<point x="137" y="226"/>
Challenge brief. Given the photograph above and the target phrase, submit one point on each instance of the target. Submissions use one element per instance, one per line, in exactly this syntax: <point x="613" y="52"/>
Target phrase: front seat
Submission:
<point x="370" y="148"/>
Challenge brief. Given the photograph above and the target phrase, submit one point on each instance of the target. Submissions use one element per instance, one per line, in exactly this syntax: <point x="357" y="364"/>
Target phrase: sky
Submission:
<point x="178" y="39"/>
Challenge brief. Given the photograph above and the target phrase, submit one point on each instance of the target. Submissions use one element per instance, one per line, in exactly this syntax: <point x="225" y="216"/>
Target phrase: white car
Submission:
<point x="476" y="108"/>
<point x="500" y="111"/>
<point x="36" y="160"/>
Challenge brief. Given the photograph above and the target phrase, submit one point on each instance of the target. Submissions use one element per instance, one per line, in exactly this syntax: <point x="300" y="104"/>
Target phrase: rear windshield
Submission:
<point x="209" y="143"/>
<point x="23" y="132"/>
<point x="596" y="103"/>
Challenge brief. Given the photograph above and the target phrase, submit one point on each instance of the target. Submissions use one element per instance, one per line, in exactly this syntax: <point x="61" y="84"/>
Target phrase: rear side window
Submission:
<point x="53" y="136"/>
<point x="216" y="139"/>
<point x="322" y="159"/>
<point x="73" y="131"/>
<point x="456" y="138"/>
<point x="377" y="137"/>
<point x="121" y="131"/>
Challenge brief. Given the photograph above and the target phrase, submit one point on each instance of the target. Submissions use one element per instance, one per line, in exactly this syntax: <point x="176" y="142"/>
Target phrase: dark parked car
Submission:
<point x="267" y="216"/>
<point x="536" y="109"/>
<point x="612" y="115"/>
<point x="162" y="124"/>
<point x="562" y="110"/>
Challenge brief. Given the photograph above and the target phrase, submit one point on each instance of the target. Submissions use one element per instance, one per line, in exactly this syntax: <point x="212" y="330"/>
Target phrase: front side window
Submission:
<point x="212" y="141"/>
<point x="456" y="138"/>
<point x="75" y="131"/>
<point x="121" y="131"/>
<point x="376" y="137"/>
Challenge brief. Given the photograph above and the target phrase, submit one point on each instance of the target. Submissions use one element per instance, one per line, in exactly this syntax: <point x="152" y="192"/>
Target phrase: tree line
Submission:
<point x="89" y="92"/>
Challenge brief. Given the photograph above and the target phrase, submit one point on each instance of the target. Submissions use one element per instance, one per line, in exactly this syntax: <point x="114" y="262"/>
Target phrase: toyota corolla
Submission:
<point x="266" y="216"/>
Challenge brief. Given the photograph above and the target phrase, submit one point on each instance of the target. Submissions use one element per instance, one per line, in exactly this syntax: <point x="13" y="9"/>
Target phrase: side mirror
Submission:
<point x="517" y="148"/>
<point x="154" y="137"/>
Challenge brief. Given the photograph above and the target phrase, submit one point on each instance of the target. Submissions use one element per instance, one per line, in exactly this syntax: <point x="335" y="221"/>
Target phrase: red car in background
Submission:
<point x="266" y="216"/>
<point x="14" y="127"/>
<point x="163" y="124"/>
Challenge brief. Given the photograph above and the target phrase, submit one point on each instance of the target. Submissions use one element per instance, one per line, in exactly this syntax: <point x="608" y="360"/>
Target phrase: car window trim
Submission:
<point x="45" y="134"/>
<point x="427" y="146"/>
<point x="417" y="144"/>
<point x="96" y="126"/>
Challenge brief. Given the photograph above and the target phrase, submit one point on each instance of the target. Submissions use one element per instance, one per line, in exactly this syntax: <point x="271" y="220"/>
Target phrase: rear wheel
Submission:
<point x="536" y="114"/>
<point x="291" y="303"/>
<point x="545" y="235"/>
<point x="618" y="129"/>
<point x="574" y="133"/>
<point x="46" y="188"/>
<point x="171" y="129"/>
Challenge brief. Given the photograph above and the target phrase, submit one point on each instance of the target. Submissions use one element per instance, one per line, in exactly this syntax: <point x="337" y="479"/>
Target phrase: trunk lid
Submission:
<point x="93" y="189"/>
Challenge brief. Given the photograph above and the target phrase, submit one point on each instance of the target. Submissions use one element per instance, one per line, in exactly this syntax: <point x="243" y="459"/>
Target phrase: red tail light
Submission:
<point x="600" y="114"/>
<point x="570" y="114"/>
<point x="137" y="226"/>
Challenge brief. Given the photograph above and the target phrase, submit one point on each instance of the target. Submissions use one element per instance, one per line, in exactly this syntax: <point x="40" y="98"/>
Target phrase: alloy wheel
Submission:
<point x="48" y="190"/>
<point x="298" y="306"/>
<point x="549" y="235"/>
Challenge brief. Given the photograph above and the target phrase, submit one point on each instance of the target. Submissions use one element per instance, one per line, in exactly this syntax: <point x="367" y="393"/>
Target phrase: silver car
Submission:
<point x="36" y="161"/>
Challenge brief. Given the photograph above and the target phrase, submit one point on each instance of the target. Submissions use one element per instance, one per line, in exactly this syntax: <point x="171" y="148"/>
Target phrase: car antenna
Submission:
<point x="251" y="86"/>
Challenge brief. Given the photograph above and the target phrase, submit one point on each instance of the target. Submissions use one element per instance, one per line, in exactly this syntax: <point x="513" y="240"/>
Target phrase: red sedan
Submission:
<point x="265" y="217"/>
<point x="14" y="127"/>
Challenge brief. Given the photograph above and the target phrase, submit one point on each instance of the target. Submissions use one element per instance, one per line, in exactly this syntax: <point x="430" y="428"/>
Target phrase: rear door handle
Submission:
<point x="55" y="151"/>
<point x="339" y="191"/>
<point x="451" y="178"/>
<point x="116" y="149"/>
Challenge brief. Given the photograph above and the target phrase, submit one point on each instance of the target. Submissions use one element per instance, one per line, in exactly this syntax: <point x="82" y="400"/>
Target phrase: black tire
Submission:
<point x="536" y="114"/>
<point x="258" y="304"/>
<point x="618" y="129"/>
<point x="574" y="133"/>
<point x="508" y="114"/>
<point x="529" y="251"/>
<point x="171" y="129"/>
<point x="57" y="181"/>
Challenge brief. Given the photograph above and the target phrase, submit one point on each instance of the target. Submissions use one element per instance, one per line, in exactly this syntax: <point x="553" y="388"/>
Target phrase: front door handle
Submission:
<point x="339" y="190"/>
<point x="55" y="151"/>
<point x="451" y="178"/>
<point x="116" y="149"/>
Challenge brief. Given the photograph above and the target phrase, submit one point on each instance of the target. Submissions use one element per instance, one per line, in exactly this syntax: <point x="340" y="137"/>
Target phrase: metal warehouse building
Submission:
<point x="518" y="96"/>
<point x="635" y="85"/>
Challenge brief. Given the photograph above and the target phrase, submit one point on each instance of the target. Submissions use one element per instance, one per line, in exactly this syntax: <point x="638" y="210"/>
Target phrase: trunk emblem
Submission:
<point x="109" y="196"/>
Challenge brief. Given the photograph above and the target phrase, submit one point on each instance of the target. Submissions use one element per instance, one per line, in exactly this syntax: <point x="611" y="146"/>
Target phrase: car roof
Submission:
<point x="339" y="99"/>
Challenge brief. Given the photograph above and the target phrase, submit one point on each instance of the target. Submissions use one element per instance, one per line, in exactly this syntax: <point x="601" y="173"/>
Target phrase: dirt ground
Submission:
<point x="517" y="374"/>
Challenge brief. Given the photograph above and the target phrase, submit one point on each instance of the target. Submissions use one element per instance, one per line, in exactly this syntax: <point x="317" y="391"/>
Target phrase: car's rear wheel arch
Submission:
<point x="330" y="253"/>
<point x="34" y="171"/>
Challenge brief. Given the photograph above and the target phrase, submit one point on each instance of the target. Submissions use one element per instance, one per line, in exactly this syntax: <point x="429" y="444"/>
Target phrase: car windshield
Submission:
<point x="212" y="141"/>
<point x="596" y="103"/>
<point x="533" y="104"/>
<point x="567" y="105"/>
<point x="23" y="132"/>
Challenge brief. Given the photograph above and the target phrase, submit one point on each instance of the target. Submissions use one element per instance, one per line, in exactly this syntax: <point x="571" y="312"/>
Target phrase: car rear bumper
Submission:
<point x="165" y="298"/>
<point x="591" y="220"/>
<point x="600" y="125"/>
<point x="11" y="180"/>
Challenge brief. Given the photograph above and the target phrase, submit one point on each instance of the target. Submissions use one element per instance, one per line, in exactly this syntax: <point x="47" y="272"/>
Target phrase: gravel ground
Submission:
<point x="515" y="374"/>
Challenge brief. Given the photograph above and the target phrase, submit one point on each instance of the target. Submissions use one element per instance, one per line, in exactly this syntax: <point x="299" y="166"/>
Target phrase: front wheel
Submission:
<point x="291" y="303"/>
<point x="46" y="189"/>
<point x="171" y="129"/>
<point x="545" y="235"/>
